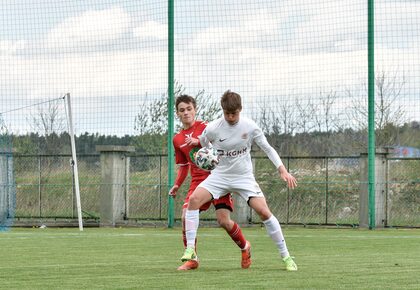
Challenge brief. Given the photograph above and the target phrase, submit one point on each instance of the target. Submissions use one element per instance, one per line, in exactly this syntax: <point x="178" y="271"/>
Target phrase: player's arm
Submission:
<point x="180" y="177"/>
<point x="275" y="158"/>
<point x="287" y="177"/>
<point x="183" y="168"/>
<point x="205" y="139"/>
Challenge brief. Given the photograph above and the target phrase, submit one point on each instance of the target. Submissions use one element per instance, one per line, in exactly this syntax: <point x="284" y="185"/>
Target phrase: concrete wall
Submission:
<point x="381" y="182"/>
<point x="115" y="164"/>
<point x="7" y="188"/>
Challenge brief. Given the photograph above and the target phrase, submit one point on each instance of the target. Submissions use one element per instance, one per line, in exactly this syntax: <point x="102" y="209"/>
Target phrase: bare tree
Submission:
<point x="49" y="122"/>
<point x="389" y="114"/>
<point x="326" y="123"/>
<point x="323" y="117"/>
<point x="305" y="113"/>
<point x="277" y="119"/>
<point x="263" y="118"/>
<point x="287" y="117"/>
<point x="389" y="91"/>
<point x="3" y="127"/>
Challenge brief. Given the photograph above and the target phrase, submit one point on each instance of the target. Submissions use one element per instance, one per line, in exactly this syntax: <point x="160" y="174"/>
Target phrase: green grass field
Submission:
<point x="147" y="258"/>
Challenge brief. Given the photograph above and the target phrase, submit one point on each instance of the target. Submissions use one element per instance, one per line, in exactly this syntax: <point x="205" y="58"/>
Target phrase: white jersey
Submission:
<point x="233" y="143"/>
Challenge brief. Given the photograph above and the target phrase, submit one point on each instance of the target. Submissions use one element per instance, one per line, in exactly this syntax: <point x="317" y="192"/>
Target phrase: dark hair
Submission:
<point x="231" y="101"/>
<point x="185" y="99"/>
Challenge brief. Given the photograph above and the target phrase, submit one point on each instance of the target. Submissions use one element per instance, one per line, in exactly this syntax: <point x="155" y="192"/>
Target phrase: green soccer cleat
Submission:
<point x="189" y="254"/>
<point x="290" y="264"/>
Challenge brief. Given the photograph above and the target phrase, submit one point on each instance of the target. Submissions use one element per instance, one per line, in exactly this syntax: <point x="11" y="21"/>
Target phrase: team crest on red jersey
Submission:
<point x="193" y="152"/>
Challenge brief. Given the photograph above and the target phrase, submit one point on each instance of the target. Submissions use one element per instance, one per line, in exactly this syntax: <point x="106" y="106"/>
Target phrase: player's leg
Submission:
<point x="192" y="219"/>
<point x="191" y="264"/>
<point x="224" y="206"/>
<point x="184" y="210"/>
<point x="184" y="238"/>
<point x="273" y="228"/>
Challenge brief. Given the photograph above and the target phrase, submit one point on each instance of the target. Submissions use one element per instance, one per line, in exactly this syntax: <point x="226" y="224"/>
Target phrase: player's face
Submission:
<point x="186" y="113"/>
<point x="232" y="117"/>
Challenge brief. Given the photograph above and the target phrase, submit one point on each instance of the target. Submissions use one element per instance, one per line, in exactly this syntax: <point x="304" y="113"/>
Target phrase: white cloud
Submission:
<point x="151" y="29"/>
<point x="215" y="58"/>
<point x="398" y="24"/>
<point x="10" y="47"/>
<point x="260" y="21"/>
<point x="256" y="70"/>
<point x="331" y="26"/>
<point x="102" y="74"/>
<point x="89" y="28"/>
<point x="295" y="49"/>
<point x="301" y="47"/>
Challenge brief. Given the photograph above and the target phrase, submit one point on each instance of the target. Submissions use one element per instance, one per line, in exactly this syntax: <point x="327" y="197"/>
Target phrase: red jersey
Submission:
<point x="184" y="152"/>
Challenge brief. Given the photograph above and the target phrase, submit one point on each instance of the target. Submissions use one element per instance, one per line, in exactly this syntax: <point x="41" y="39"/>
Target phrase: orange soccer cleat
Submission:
<point x="246" y="256"/>
<point x="189" y="265"/>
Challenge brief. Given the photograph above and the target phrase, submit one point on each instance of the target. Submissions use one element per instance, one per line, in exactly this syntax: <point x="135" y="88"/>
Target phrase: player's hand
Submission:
<point x="192" y="141"/>
<point x="287" y="177"/>
<point x="173" y="191"/>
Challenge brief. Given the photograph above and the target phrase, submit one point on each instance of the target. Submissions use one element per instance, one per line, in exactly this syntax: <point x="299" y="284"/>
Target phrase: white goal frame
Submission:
<point x="74" y="162"/>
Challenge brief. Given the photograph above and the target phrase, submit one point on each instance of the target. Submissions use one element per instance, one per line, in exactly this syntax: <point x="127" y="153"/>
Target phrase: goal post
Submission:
<point x="74" y="162"/>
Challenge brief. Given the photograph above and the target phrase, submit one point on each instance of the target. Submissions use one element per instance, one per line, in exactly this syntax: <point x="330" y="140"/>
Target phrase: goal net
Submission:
<point x="38" y="166"/>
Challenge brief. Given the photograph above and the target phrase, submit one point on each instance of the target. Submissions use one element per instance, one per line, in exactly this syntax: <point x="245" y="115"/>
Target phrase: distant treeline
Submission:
<point x="335" y="143"/>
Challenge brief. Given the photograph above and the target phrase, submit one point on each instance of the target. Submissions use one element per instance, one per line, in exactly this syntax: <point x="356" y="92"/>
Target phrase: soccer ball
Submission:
<point x="207" y="158"/>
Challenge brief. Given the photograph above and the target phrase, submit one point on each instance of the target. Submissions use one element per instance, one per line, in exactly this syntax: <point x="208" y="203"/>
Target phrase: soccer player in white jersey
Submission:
<point x="185" y="144"/>
<point x="232" y="136"/>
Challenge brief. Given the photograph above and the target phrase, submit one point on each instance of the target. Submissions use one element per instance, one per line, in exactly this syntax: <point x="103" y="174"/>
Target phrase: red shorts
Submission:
<point x="225" y="201"/>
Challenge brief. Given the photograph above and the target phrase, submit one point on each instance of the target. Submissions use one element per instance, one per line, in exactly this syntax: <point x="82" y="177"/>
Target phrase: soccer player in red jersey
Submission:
<point x="186" y="143"/>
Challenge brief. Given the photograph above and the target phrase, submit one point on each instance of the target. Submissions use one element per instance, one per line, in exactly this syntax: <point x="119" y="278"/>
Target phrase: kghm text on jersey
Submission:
<point x="233" y="153"/>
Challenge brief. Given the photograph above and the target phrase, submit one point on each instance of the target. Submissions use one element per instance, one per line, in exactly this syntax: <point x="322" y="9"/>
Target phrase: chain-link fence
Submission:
<point x="403" y="192"/>
<point x="327" y="194"/>
<point x="301" y="68"/>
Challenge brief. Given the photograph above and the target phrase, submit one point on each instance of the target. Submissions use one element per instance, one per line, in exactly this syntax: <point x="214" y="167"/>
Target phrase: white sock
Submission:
<point x="192" y="219"/>
<point x="273" y="228"/>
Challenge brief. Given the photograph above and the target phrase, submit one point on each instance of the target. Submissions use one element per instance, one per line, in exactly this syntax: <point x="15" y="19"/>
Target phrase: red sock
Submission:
<point x="237" y="236"/>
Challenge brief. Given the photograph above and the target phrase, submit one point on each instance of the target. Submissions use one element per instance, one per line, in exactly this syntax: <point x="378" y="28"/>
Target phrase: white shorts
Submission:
<point x="245" y="186"/>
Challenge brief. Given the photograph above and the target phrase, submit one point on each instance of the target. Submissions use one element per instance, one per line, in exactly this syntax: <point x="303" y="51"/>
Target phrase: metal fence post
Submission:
<point x="326" y="190"/>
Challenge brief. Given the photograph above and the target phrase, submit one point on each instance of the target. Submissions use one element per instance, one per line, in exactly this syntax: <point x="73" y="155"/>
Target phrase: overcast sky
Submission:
<point x="103" y="51"/>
